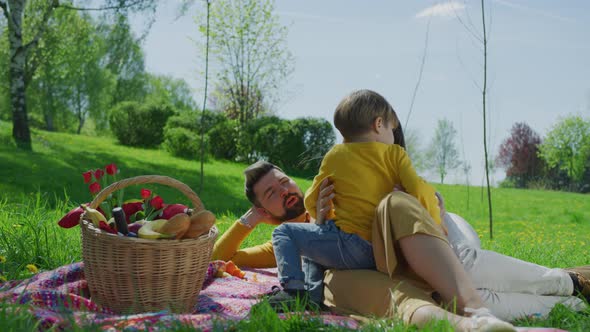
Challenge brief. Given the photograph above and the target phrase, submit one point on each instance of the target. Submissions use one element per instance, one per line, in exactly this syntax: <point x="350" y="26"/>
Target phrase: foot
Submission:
<point x="581" y="285"/>
<point x="291" y="300"/>
<point x="482" y="320"/>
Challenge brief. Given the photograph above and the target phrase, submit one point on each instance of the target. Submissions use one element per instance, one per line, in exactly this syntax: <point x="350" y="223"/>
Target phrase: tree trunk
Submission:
<point x="48" y="110"/>
<point x="79" y="112"/>
<point x="20" y="121"/>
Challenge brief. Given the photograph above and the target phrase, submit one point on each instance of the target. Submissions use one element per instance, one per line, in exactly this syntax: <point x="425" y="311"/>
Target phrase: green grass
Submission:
<point x="38" y="188"/>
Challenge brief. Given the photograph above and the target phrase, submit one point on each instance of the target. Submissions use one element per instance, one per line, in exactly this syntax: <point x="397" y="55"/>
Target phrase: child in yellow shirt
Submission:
<point x="363" y="170"/>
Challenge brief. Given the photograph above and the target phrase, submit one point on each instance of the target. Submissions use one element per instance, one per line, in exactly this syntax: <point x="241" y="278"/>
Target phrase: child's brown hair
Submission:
<point x="356" y="113"/>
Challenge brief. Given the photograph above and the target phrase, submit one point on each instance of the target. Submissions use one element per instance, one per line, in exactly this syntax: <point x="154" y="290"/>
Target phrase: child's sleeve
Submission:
<point x="416" y="186"/>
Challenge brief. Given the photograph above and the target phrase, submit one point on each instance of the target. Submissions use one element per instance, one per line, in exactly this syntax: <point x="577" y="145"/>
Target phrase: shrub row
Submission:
<point x="294" y="145"/>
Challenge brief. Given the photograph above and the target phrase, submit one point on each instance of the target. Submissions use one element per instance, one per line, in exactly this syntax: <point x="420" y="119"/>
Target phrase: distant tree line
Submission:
<point x="560" y="161"/>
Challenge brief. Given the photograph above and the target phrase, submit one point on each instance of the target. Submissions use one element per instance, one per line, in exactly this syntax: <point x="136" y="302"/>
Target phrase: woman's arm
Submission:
<point x="416" y="186"/>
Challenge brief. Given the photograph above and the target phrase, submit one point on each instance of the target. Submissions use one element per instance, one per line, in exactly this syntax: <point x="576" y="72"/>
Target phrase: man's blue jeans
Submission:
<point x="304" y="251"/>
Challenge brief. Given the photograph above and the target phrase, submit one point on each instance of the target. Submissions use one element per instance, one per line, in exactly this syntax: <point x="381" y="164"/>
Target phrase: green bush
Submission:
<point x="184" y="143"/>
<point x="223" y="140"/>
<point x="137" y="124"/>
<point x="295" y="145"/>
<point x="248" y="150"/>
<point x="192" y="121"/>
<point x="317" y="137"/>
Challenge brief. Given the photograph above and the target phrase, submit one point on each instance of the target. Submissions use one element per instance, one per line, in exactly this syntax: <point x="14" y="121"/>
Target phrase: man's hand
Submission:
<point x="252" y="218"/>
<point x="324" y="204"/>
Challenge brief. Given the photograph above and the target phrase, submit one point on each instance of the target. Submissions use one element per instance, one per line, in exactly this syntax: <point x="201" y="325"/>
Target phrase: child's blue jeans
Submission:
<point x="304" y="251"/>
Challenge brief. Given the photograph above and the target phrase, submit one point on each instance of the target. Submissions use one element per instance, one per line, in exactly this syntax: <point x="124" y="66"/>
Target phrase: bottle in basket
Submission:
<point x="120" y="220"/>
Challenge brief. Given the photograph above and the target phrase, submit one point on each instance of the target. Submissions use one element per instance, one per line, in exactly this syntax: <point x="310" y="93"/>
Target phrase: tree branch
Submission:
<point x="4" y="8"/>
<point x="129" y="5"/>
<point x="424" y="53"/>
<point x="43" y="27"/>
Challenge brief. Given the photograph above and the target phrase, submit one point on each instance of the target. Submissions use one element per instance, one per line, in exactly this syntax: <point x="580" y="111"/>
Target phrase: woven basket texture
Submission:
<point x="133" y="275"/>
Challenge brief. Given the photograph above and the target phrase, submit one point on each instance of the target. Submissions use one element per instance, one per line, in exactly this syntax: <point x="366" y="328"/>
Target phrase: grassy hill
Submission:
<point x="37" y="188"/>
<point x="541" y="220"/>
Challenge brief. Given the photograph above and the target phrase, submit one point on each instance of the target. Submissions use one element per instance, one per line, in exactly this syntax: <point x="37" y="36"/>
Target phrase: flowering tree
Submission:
<point x="519" y="154"/>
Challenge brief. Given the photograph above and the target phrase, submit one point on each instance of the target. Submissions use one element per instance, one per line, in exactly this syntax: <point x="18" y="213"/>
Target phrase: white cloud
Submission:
<point x="446" y="10"/>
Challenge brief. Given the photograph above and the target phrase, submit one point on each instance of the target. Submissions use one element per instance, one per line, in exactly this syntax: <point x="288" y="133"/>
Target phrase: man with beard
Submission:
<point x="275" y="198"/>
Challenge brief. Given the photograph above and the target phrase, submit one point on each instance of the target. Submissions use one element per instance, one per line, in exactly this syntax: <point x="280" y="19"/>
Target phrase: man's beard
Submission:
<point x="294" y="211"/>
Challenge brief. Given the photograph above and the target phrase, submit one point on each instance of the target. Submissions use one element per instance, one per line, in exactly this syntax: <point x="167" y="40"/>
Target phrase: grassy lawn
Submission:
<point x="38" y="188"/>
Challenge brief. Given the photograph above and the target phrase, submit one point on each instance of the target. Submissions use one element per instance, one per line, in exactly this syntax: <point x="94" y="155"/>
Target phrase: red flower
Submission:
<point x="146" y="193"/>
<point x="157" y="202"/>
<point x="98" y="174"/>
<point x="172" y="210"/>
<point x="87" y="176"/>
<point x="111" y="169"/>
<point x="131" y="208"/>
<point x="94" y="188"/>
<point x="105" y="227"/>
<point x="72" y="218"/>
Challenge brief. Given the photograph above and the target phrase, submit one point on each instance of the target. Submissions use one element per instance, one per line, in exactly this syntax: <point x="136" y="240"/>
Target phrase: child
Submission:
<point x="364" y="169"/>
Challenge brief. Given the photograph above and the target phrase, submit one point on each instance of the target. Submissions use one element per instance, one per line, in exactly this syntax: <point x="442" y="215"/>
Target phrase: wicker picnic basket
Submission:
<point x="133" y="275"/>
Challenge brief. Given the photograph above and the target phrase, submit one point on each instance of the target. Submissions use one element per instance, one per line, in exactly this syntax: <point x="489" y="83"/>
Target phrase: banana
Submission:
<point x="151" y="228"/>
<point x="93" y="215"/>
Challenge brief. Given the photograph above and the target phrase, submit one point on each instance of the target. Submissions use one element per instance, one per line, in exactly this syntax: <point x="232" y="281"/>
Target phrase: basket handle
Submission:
<point x="142" y="179"/>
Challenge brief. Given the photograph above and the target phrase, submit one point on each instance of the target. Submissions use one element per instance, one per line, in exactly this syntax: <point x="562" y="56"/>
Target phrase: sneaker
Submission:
<point x="291" y="300"/>
<point x="581" y="285"/>
<point x="482" y="320"/>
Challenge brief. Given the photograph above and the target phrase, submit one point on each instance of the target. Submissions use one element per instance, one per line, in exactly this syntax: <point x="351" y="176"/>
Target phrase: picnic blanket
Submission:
<point x="61" y="299"/>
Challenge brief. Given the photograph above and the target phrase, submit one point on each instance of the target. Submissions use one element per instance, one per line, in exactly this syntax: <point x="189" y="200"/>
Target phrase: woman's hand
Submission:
<point x="441" y="205"/>
<point x="399" y="187"/>
<point x="324" y="204"/>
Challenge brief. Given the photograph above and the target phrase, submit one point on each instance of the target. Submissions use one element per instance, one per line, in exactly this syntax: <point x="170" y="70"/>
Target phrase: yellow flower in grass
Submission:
<point x="32" y="268"/>
<point x="2" y="259"/>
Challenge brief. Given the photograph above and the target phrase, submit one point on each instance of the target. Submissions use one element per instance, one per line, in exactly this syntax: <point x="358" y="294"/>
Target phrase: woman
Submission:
<point x="400" y="294"/>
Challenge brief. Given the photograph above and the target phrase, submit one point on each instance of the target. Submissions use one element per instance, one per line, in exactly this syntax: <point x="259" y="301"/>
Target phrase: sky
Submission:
<point x="538" y="63"/>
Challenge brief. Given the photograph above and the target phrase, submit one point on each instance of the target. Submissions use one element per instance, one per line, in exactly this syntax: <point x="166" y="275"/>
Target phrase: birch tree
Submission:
<point x="23" y="43"/>
<point x="248" y="46"/>
<point x="442" y="154"/>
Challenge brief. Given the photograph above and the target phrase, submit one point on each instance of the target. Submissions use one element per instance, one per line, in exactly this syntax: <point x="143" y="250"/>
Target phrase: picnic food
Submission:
<point x="151" y="230"/>
<point x="200" y="223"/>
<point x="134" y="227"/>
<point x="173" y="271"/>
<point x="93" y="215"/>
<point x="120" y="221"/>
<point x="176" y="226"/>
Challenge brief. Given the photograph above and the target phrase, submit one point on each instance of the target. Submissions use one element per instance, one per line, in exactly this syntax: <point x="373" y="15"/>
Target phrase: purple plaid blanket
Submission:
<point x="60" y="299"/>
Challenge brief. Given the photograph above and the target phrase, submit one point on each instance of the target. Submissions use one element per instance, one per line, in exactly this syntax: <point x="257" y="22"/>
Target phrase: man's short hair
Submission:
<point x="253" y="174"/>
<point x="356" y="113"/>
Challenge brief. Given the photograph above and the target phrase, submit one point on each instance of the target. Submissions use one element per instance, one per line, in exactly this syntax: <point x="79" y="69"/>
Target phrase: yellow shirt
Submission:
<point x="362" y="174"/>
<point x="227" y="248"/>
